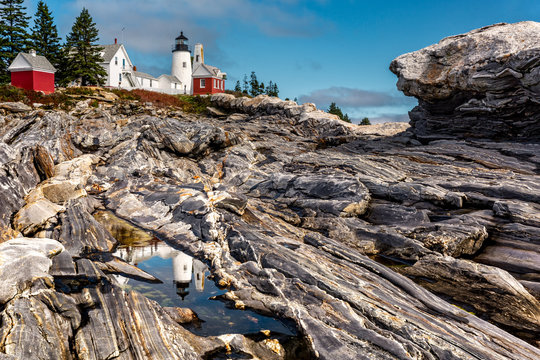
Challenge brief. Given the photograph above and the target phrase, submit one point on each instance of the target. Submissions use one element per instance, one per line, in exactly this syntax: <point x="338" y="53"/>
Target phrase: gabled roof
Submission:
<point x="109" y="51"/>
<point x="206" y="70"/>
<point x="24" y="61"/>
<point x="170" y="78"/>
<point x="144" y="75"/>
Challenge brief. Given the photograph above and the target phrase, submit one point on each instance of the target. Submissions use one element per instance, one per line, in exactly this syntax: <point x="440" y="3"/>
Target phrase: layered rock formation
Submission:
<point x="367" y="242"/>
<point x="484" y="84"/>
<point x="293" y="210"/>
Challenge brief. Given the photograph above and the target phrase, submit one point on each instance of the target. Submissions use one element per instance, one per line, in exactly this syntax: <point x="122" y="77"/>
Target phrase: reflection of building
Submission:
<point x="182" y="270"/>
<point x="184" y="266"/>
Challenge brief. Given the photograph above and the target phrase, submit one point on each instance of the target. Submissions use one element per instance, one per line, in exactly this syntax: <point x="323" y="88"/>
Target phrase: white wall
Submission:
<point x="179" y="58"/>
<point x="114" y="69"/>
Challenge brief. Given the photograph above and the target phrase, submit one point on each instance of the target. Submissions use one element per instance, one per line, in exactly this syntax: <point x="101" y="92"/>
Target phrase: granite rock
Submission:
<point x="482" y="84"/>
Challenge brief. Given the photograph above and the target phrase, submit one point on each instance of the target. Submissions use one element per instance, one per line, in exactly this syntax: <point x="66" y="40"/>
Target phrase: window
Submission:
<point x="203" y="83"/>
<point x="150" y="82"/>
<point x="222" y="85"/>
<point x="184" y="64"/>
<point x="119" y="77"/>
<point x="116" y="60"/>
<point x="215" y="83"/>
<point x="197" y="58"/>
<point x="123" y="63"/>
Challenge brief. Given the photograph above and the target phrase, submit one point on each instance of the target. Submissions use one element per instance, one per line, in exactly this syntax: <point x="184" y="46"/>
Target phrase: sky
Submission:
<point x="318" y="51"/>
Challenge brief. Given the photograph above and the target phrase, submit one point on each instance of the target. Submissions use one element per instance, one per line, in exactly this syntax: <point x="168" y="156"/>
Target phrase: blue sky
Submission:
<point x="317" y="51"/>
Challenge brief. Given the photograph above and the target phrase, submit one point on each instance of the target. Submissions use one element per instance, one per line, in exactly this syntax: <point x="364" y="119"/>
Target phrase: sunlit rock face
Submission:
<point x="482" y="84"/>
<point x="368" y="243"/>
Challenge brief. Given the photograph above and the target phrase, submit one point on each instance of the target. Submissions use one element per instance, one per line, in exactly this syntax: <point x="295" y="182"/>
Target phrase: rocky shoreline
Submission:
<point x="375" y="242"/>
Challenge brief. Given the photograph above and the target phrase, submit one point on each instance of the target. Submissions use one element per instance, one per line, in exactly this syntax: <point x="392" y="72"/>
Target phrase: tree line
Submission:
<point x="77" y="59"/>
<point x="253" y="87"/>
<point x="336" y="110"/>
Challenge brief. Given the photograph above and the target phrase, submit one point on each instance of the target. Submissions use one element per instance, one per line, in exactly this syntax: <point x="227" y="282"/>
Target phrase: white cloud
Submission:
<point x="350" y="98"/>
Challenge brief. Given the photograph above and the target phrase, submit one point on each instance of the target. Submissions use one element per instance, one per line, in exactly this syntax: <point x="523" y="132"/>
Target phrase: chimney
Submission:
<point x="134" y="68"/>
<point x="115" y="41"/>
<point x="33" y="52"/>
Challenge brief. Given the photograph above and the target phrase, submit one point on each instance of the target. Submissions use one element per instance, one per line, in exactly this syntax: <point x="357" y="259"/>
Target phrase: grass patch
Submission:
<point x="126" y="95"/>
<point x="64" y="99"/>
<point x="10" y="93"/>
<point x="84" y="91"/>
<point x="195" y="104"/>
<point x="157" y="99"/>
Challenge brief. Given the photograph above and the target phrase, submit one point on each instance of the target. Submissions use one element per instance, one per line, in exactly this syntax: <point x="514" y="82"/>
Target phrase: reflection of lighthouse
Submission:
<point x="182" y="269"/>
<point x="184" y="266"/>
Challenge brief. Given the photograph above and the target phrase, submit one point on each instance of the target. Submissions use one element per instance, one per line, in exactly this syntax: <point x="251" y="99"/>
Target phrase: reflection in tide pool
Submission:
<point x="184" y="286"/>
<point x="184" y="267"/>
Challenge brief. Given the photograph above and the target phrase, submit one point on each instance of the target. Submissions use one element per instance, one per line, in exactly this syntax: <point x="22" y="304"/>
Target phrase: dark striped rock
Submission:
<point x="482" y="84"/>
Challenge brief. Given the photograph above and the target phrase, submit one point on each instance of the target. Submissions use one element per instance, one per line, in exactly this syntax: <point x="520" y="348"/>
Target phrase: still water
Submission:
<point x="186" y="284"/>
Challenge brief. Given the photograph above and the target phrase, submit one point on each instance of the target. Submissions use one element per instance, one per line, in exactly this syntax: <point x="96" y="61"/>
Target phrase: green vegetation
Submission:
<point x="56" y="100"/>
<point x="365" y="121"/>
<point x="253" y="87"/>
<point x="14" y="37"/>
<point x="336" y="110"/>
<point x="195" y="104"/>
<point x="45" y="39"/>
<point x="83" y="55"/>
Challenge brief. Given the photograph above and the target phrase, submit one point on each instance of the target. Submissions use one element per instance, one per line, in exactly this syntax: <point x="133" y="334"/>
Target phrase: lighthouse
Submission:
<point x="181" y="62"/>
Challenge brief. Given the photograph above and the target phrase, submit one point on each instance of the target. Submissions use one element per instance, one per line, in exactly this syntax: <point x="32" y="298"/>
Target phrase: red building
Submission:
<point x="208" y="80"/>
<point x="32" y="72"/>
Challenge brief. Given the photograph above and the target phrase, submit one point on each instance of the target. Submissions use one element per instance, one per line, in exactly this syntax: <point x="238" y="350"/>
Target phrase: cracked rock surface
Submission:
<point x="484" y="84"/>
<point x="369" y="242"/>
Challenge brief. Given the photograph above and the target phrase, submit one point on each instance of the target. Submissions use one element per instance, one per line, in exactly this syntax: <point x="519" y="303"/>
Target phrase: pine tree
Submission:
<point x="238" y="88"/>
<point x="274" y="91"/>
<point x="13" y="35"/>
<point x="45" y="38"/>
<point x="246" y="85"/>
<point x="254" y="84"/>
<point x="334" y="109"/>
<point x="346" y="118"/>
<point x="84" y="54"/>
<point x="365" y="121"/>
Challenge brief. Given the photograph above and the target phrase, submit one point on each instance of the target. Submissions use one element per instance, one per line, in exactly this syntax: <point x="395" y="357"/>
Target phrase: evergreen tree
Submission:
<point x="246" y="85"/>
<point x="238" y="88"/>
<point x="334" y="109"/>
<point x="261" y="89"/>
<point x="13" y="35"/>
<point x="45" y="38"/>
<point x="84" y="54"/>
<point x="365" y="121"/>
<point x="254" y="85"/>
<point x="274" y="91"/>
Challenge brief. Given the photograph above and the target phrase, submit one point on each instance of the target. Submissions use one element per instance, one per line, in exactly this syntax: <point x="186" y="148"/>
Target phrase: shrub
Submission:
<point x="195" y="104"/>
<point x="11" y="93"/>
<point x="157" y="99"/>
<point x="126" y="95"/>
<point x="79" y="90"/>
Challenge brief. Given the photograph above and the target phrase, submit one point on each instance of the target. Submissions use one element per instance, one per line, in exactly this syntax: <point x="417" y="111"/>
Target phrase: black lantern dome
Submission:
<point x="181" y="43"/>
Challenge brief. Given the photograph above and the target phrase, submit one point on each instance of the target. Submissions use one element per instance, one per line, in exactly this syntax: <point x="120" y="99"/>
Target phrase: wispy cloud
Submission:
<point x="386" y="118"/>
<point x="350" y="98"/>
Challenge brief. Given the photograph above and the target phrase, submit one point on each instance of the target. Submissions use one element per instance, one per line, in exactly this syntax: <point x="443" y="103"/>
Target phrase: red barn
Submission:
<point x="32" y="72"/>
<point x="208" y="80"/>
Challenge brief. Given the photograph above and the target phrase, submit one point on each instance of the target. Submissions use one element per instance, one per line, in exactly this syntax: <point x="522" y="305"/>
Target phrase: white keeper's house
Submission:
<point x="187" y="73"/>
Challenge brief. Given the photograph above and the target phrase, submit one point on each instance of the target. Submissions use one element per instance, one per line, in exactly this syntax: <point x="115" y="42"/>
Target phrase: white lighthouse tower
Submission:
<point x="181" y="62"/>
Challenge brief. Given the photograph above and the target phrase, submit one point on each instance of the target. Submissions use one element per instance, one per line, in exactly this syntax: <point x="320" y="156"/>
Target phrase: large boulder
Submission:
<point x="482" y="84"/>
